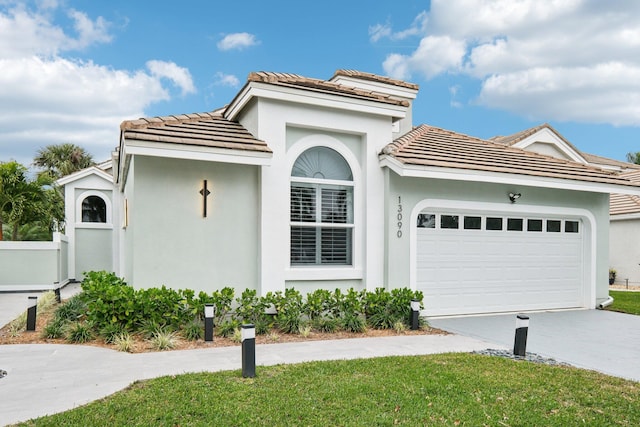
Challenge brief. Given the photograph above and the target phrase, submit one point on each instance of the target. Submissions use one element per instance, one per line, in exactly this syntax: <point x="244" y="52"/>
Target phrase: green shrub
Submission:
<point x="352" y="322"/>
<point x="317" y="304"/>
<point x="384" y="309"/>
<point x="222" y="301"/>
<point x="325" y="324"/>
<point x="237" y="335"/>
<point x="79" y="332"/>
<point x="54" y="329"/>
<point x="109" y="300"/>
<point x="72" y="309"/>
<point x="289" y="310"/>
<point x="194" y="330"/>
<point x="124" y="342"/>
<point x="163" y="340"/>
<point x="110" y="332"/>
<point x="227" y="328"/>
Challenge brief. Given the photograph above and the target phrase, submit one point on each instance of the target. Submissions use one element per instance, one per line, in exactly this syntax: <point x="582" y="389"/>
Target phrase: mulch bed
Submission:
<point x="142" y="346"/>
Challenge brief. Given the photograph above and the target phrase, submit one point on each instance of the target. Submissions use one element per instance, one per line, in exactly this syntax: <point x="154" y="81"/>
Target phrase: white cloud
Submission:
<point x="230" y="80"/>
<point x="89" y="32"/>
<point x="237" y="41"/>
<point x="47" y="98"/>
<point x="418" y="27"/>
<point x="178" y="75"/>
<point x="573" y="60"/>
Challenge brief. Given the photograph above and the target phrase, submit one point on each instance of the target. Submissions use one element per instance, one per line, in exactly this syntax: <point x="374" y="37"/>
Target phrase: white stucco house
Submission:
<point x="308" y="183"/>
<point x="624" y="209"/>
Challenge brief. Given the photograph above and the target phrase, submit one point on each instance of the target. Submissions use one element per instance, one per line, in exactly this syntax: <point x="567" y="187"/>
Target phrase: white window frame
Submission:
<point x="107" y="202"/>
<point x="328" y="271"/>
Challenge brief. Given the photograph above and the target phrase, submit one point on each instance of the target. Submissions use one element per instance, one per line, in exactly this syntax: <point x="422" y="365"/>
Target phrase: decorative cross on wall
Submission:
<point x="205" y="192"/>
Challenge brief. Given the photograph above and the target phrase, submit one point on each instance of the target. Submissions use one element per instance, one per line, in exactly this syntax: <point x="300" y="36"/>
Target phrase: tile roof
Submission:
<point x="431" y="146"/>
<point x="592" y="158"/>
<point x="322" y="86"/>
<point x="374" y="78"/>
<point x="621" y="204"/>
<point x="519" y="136"/>
<point x="199" y="129"/>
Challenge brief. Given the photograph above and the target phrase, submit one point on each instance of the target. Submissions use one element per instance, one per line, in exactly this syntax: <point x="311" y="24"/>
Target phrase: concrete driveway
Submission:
<point x="604" y="341"/>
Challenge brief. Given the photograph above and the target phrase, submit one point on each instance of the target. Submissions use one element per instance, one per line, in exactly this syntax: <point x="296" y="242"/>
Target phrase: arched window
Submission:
<point x="321" y="209"/>
<point x="94" y="209"/>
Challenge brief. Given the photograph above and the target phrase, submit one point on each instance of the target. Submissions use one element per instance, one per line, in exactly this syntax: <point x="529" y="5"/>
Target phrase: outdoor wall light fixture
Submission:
<point x="204" y="192"/>
<point x="514" y="196"/>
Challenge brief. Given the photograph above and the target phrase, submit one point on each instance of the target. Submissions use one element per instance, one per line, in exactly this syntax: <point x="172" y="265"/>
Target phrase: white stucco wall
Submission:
<point x="290" y="129"/>
<point x="625" y="250"/>
<point x="94" y="250"/>
<point x="548" y="150"/>
<point x="101" y="244"/>
<point x="168" y="240"/>
<point x="414" y="190"/>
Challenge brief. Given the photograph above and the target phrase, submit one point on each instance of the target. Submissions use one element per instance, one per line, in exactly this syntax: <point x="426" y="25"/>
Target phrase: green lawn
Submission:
<point x="625" y="302"/>
<point x="449" y="389"/>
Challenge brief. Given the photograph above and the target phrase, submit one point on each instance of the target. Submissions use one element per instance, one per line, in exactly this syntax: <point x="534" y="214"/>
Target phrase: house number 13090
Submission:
<point x="399" y="217"/>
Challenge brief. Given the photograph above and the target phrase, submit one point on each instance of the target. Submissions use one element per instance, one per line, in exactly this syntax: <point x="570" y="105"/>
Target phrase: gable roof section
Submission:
<point x="434" y="152"/>
<point x="296" y="88"/>
<point x="322" y="86"/>
<point x="200" y="129"/>
<point x="563" y="145"/>
<point x="624" y="204"/>
<point x="78" y="175"/>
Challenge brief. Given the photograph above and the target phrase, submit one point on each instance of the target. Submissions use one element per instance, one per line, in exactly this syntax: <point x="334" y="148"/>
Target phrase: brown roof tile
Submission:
<point x="374" y="78"/>
<point x="592" y="158"/>
<point x="322" y="86"/>
<point x="199" y="129"/>
<point x="621" y="204"/>
<point x="432" y="146"/>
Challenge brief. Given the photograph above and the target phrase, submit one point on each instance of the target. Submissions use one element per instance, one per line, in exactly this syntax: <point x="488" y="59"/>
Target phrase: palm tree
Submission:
<point x="634" y="157"/>
<point x="24" y="201"/>
<point x="61" y="160"/>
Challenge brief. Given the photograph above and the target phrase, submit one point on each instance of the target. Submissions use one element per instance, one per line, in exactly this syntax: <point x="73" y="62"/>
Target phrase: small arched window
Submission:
<point x="321" y="209"/>
<point x="94" y="209"/>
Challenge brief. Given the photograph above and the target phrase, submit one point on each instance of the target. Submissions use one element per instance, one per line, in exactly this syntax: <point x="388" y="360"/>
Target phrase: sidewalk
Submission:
<point x="49" y="378"/>
<point x="13" y="304"/>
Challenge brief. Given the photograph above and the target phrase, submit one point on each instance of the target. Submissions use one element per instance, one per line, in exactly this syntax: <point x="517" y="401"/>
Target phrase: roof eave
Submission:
<point x="453" y="174"/>
<point x="91" y="170"/>
<point x="192" y="152"/>
<point x="303" y="96"/>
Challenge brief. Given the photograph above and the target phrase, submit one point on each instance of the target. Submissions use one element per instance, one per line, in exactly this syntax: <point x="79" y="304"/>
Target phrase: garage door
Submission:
<point x="477" y="263"/>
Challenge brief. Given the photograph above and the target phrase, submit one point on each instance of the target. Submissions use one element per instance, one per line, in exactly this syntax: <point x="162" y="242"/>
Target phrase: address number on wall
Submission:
<point x="399" y="217"/>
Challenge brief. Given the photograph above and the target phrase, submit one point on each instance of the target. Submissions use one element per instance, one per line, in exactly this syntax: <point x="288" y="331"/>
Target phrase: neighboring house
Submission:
<point x="624" y="250"/>
<point x="624" y="235"/>
<point x="308" y="183"/>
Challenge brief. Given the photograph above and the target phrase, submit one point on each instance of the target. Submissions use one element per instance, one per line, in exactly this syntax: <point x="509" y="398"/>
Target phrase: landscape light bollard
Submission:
<point x="248" y="351"/>
<point x="522" y="327"/>
<point x="57" y="292"/>
<point x="208" y="322"/>
<point x="415" y="314"/>
<point x="31" y="313"/>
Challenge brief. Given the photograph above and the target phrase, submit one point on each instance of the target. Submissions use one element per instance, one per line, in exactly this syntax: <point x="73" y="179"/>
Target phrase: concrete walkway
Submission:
<point x="603" y="341"/>
<point x="45" y="378"/>
<point x="12" y="304"/>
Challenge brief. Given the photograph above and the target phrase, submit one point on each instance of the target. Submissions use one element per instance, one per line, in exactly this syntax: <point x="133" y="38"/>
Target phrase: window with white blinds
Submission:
<point x="321" y="209"/>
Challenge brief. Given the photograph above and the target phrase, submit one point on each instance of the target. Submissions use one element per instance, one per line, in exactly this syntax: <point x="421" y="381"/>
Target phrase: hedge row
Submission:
<point x="111" y="306"/>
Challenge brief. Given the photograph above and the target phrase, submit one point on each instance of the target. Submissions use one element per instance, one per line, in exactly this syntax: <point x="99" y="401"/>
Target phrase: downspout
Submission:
<point x="605" y="303"/>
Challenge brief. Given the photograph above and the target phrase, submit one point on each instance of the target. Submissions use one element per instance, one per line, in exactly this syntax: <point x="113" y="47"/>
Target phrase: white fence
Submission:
<point x="34" y="266"/>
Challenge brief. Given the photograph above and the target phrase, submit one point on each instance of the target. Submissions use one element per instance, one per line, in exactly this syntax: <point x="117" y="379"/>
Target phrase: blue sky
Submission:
<point x="71" y="71"/>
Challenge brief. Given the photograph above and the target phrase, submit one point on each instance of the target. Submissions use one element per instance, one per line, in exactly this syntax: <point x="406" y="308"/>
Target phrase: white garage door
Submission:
<point x="476" y="263"/>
